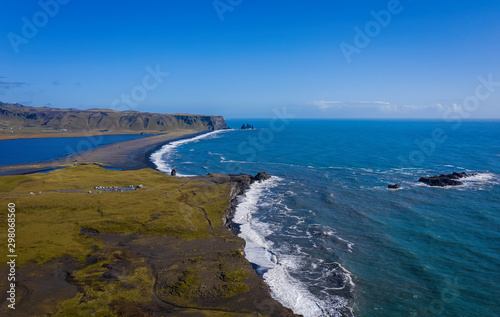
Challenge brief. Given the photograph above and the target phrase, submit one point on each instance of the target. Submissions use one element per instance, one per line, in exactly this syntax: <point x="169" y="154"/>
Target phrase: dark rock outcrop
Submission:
<point x="90" y="231"/>
<point x="239" y="184"/>
<point x="445" y="180"/>
<point x="393" y="186"/>
<point x="173" y="172"/>
<point x="261" y="176"/>
<point x="247" y="127"/>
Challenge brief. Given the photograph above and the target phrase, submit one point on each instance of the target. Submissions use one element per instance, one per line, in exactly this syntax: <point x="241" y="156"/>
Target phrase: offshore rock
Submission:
<point x="445" y="180"/>
<point x="262" y="176"/>
<point x="247" y="127"/>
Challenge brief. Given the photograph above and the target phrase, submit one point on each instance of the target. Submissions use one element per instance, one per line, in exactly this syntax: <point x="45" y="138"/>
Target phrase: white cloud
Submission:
<point x="455" y="108"/>
<point x="373" y="102"/>
<point x="439" y="107"/>
<point x="383" y="106"/>
<point x="416" y="107"/>
<point x="389" y="108"/>
<point x="323" y="104"/>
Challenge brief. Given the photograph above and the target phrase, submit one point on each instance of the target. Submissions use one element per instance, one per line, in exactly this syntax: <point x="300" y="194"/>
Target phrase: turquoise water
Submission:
<point x="38" y="150"/>
<point x="330" y="239"/>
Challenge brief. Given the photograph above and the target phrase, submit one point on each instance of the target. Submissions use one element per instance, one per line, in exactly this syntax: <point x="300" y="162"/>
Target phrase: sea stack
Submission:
<point x="247" y="127"/>
<point x="445" y="180"/>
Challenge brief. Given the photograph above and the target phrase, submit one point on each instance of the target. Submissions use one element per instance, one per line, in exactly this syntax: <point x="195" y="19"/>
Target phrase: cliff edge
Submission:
<point x="15" y="117"/>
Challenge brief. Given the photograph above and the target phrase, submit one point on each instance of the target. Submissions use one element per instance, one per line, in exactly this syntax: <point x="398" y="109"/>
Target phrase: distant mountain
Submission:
<point x="102" y="120"/>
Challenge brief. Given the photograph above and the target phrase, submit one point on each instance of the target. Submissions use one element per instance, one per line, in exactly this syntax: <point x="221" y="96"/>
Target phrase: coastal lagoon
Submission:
<point x="37" y="150"/>
<point x="330" y="239"/>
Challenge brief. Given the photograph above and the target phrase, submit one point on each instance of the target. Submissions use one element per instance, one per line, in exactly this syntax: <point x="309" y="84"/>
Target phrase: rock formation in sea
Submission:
<point x="445" y="180"/>
<point x="247" y="127"/>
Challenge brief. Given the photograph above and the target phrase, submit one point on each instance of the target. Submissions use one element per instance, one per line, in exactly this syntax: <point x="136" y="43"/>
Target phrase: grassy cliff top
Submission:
<point x="155" y="250"/>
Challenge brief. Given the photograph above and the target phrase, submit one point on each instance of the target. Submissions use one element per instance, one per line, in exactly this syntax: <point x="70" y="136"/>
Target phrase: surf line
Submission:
<point x="158" y="157"/>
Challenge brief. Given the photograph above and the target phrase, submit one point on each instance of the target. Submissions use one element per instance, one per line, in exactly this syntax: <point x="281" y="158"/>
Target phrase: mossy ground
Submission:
<point x="176" y="248"/>
<point x="49" y="223"/>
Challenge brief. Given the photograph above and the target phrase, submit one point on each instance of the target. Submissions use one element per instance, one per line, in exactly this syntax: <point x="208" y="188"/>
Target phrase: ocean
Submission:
<point x="329" y="237"/>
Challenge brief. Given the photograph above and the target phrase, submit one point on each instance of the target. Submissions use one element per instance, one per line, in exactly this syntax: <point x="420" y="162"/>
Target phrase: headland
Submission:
<point x="149" y="244"/>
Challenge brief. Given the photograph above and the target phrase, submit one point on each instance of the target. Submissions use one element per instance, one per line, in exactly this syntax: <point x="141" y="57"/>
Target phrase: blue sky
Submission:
<point x="242" y="58"/>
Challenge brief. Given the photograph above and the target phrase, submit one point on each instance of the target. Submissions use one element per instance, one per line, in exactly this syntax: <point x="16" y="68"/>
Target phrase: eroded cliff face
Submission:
<point x="19" y="116"/>
<point x="239" y="184"/>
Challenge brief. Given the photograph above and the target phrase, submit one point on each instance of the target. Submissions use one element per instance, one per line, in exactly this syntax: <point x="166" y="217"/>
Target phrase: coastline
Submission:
<point x="134" y="155"/>
<point x="44" y="134"/>
<point x="125" y="155"/>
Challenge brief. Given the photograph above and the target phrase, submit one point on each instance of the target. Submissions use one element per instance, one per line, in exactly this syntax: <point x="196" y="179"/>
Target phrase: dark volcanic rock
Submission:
<point x="262" y="176"/>
<point x="247" y="127"/>
<point x="393" y="186"/>
<point x="445" y="180"/>
<point x="239" y="184"/>
<point x="89" y="231"/>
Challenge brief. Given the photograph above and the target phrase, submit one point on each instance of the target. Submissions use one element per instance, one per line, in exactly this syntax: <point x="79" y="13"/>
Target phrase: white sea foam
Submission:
<point x="294" y="294"/>
<point x="479" y="181"/>
<point x="239" y="162"/>
<point x="348" y="243"/>
<point x="476" y="182"/>
<point x="161" y="157"/>
<point x="480" y="177"/>
<point x="277" y="268"/>
<point x="291" y="292"/>
<point x="257" y="248"/>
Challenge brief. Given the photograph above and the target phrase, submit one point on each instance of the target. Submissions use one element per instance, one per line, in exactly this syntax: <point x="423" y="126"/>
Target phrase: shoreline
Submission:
<point x="151" y="249"/>
<point x="55" y="135"/>
<point x="135" y="155"/>
<point x="124" y="155"/>
<point x="240" y="184"/>
<point x="149" y="151"/>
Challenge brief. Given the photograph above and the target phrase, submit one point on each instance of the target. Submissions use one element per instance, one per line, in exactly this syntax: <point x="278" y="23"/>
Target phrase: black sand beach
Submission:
<point x="197" y="250"/>
<point x="126" y="155"/>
